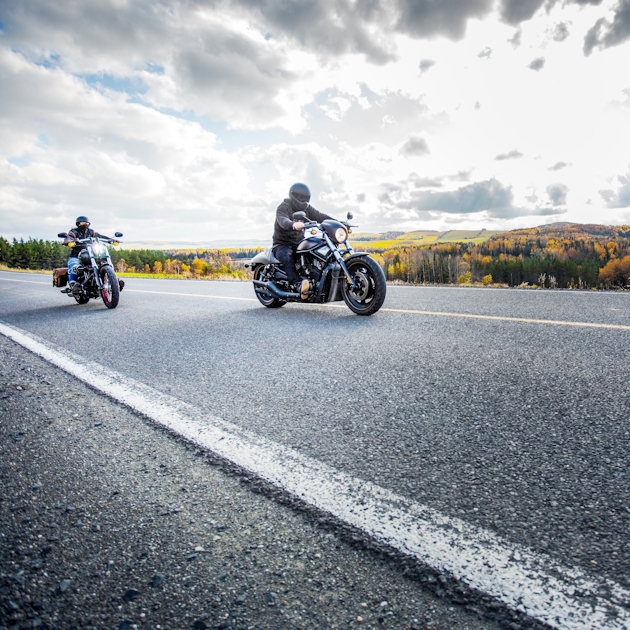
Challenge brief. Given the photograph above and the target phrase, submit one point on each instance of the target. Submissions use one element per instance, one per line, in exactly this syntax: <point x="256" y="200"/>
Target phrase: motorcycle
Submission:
<point x="335" y="271"/>
<point x="96" y="277"/>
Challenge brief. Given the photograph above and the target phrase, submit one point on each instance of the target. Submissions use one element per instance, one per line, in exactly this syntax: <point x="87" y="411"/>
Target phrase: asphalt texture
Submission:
<point x="109" y="522"/>
<point x="521" y="428"/>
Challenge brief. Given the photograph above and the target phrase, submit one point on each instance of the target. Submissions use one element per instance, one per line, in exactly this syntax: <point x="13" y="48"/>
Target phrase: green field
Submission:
<point x="429" y="237"/>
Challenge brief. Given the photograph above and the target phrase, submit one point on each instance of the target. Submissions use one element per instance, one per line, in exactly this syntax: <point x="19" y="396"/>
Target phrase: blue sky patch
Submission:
<point x="21" y="161"/>
<point x="125" y="85"/>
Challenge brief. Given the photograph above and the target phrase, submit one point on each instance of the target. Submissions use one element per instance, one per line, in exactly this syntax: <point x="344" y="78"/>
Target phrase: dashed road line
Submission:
<point x="404" y="311"/>
<point x="527" y="581"/>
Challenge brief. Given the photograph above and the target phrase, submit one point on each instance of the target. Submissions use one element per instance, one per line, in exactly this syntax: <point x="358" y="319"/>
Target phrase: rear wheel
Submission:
<point x="264" y="298"/>
<point x="110" y="291"/>
<point x="368" y="294"/>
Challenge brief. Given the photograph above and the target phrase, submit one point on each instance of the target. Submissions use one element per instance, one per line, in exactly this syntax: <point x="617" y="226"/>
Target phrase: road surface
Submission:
<point x="503" y="412"/>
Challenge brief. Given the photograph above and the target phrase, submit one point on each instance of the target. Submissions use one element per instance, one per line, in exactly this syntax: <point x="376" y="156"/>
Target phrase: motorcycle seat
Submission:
<point x="272" y="258"/>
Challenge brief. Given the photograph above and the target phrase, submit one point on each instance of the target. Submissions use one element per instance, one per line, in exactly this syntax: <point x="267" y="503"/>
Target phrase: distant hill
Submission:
<point x="422" y="237"/>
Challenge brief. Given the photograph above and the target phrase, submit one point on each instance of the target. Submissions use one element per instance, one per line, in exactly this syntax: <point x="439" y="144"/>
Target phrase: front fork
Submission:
<point x="339" y="259"/>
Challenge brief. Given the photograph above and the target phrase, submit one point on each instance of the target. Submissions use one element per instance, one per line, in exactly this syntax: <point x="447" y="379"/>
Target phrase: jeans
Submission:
<point x="286" y="255"/>
<point x="73" y="261"/>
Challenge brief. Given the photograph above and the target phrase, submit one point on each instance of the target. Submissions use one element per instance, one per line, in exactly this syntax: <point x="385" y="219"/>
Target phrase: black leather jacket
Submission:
<point x="283" y="232"/>
<point x="76" y="233"/>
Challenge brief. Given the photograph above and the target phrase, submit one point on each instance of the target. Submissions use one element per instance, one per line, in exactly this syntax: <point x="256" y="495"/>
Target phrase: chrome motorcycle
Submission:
<point x="96" y="277"/>
<point x="334" y="270"/>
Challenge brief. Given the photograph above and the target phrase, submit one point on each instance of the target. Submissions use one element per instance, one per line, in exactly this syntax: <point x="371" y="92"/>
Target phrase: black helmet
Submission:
<point x="299" y="196"/>
<point x="84" y="257"/>
<point x="83" y="221"/>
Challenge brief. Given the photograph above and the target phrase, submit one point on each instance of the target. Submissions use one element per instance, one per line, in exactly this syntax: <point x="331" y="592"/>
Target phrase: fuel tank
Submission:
<point x="310" y="243"/>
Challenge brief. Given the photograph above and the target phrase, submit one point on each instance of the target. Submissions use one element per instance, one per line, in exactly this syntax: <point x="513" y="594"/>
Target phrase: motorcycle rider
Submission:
<point x="82" y="230"/>
<point x="287" y="233"/>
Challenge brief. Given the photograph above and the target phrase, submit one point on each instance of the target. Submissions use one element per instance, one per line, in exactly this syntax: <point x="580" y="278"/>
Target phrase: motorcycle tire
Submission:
<point x="265" y="299"/>
<point x="110" y="293"/>
<point x="369" y="294"/>
<point x="82" y="299"/>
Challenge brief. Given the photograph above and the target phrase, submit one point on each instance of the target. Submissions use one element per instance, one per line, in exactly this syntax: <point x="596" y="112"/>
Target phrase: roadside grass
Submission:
<point x="19" y="270"/>
<point x="236" y="276"/>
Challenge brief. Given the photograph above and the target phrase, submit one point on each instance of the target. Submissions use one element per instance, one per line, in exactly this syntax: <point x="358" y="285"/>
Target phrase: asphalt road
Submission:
<point x="519" y="427"/>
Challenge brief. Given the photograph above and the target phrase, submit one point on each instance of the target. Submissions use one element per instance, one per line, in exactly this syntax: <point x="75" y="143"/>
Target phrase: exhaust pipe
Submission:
<point x="273" y="289"/>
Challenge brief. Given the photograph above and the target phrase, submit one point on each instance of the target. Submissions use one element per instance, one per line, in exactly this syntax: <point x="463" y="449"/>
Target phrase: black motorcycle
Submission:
<point x="96" y="277"/>
<point x="324" y="258"/>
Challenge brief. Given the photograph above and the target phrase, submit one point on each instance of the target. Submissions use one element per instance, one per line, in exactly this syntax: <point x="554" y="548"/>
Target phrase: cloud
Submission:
<point x="427" y="18"/>
<point x="605" y="34"/>
<point x="561" y="32"/>
<point x="415" y="146"/>
<point x="558" y="166"/>
<point x="516" y="11"/>
<point x="557" y="194"/>
<point x="619" y="198"/>
<point x="427" y="182"/>
<point x="426" y="64"/>
<point x="490" y="196"/>
<point x="514" y="154"/>
<point x="537" y="64"/>
<point x="485" y="53"/>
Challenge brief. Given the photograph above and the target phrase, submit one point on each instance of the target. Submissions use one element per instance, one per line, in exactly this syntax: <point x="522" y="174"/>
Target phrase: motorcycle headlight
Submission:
<point x="99" y="249"/>
<point x="341" y="234"/>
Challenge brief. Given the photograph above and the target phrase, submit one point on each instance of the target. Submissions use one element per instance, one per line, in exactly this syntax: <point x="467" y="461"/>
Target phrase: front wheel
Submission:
<point x="110" y="291"/>
<point x="368" y="294"/>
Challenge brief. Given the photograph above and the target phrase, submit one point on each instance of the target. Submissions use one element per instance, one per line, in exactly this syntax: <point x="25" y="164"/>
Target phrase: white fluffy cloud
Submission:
<point x="192" y="118"/>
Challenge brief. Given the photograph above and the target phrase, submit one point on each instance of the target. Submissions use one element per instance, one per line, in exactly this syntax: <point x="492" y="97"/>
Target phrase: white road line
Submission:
<point x="504" y="318"/>
<point x="404" y="311"/>
<point x="561" y="596"/>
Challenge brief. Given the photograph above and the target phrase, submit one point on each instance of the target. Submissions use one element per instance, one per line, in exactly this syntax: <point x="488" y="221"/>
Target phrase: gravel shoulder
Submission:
<point x="108" y="522"/>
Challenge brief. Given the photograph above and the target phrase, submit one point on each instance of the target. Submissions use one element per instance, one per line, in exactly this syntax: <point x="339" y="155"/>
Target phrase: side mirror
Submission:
<point x="350" y="216"/>
<point x="62" y="235"/>
<point x="118" y="234"/>
<point x="300" y="216"/>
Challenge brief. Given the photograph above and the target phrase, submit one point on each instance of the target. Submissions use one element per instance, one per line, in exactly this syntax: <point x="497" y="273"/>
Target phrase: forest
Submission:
<point x="561" y="255"/>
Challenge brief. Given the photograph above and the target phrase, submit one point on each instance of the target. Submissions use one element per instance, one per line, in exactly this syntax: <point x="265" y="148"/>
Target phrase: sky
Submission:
<point x="189" y="121"/>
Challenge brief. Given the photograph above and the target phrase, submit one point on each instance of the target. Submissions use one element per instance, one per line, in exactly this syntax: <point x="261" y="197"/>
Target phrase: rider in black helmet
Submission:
<point x="82" y="230"/>
<point x="287" y="233"/>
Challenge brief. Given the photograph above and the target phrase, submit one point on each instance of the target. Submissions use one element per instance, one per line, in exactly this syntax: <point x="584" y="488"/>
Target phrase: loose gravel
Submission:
<point x="109" y="522"/>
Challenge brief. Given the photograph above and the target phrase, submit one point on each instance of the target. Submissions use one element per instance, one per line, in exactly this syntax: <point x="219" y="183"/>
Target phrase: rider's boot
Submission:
<point x="305" y="287"/>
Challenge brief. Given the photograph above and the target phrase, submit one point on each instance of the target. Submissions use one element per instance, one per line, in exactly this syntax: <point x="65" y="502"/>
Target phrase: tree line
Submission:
<point x="38" y="254"/>
<point x="556" y="256"/>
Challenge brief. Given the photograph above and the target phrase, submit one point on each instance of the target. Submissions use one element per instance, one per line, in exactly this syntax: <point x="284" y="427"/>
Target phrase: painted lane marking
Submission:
<point x="499" y="318"/>
<point x="505" y="318"/>
<point x="27" y="281"/>
<point x="203" y="295"/>
<point x="535" y="584"/>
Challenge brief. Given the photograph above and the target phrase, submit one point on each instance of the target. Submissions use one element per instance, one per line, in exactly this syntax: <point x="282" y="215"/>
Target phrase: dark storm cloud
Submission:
<point x="537" y="64"/>
<point x="415" y="146"/>
<point x="605" y="34"/>
<point x="557" y="194"/>
<point x="514" y="154"/>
